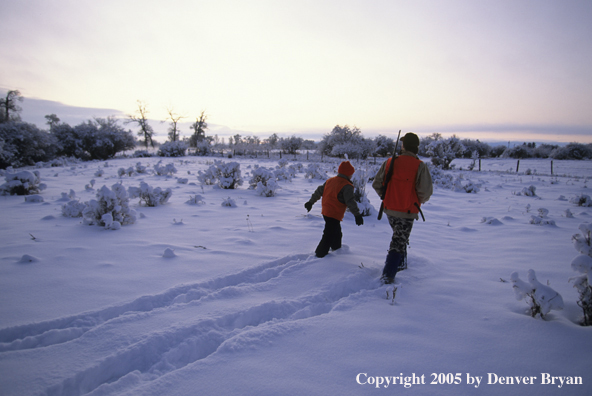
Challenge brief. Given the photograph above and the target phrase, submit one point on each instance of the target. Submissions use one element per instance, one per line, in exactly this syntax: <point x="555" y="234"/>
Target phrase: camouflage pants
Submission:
<point x="401" y="231"/>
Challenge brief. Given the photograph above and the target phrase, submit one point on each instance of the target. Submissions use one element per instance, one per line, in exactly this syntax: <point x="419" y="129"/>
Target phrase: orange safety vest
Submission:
<point x="331" y="207"/>
<point x="401" y="195"/>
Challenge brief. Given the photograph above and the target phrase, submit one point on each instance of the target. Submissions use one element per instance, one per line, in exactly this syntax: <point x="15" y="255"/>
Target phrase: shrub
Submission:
<point x="22" y="183"/>
<point x="360" y="180"/>
<point x="291" y="145"/>
<point x="518" y="152"/>
<point x="541" y="218"/>
<point x="207" y="177"/>
<point x="150" y="196"/>
<point x="172" y="149"/>
<point x="110" y="209"/>
<point x="102" y="138"/>
<point x="73" y="208"/>
<point x="226" y="175"/>
<point x="166" y="170"/>
<point x="229" y="175"/>
<point x="444" y="151"/>
<point x="582" y="200"/>
<point x="528" y="191"/>
<point x="314" y="171"/>
<point x="343" y="140"/>
<point x="573" y="151"/>
<point x="203" y="148"/>
<point x="260" y="175"/>
<point x="229" y="202"/>
<point x="540" y="298"/>
<point x="583" y="265"/>
<point x="141" y="154"/>
<point x="24" y="144"/>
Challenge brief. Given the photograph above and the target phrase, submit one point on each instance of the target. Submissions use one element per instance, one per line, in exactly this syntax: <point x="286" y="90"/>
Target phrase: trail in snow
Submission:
<point x="157" y="334"/>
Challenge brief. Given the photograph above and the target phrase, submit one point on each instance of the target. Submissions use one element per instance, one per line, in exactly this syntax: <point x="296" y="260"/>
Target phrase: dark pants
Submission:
<point x="331" y="237"/>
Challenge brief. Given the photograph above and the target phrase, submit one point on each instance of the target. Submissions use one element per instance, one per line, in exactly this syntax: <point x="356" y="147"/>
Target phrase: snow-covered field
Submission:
<point x="205" y="299"/>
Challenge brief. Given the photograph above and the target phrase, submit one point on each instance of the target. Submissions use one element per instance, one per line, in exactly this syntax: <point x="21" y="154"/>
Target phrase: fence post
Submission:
<point x="479" y="164"/>
<point x="551" y="167"/>
<point x="517" y="166"/>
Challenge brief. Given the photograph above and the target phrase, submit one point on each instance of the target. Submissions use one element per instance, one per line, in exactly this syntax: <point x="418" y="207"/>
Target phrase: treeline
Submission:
<point x="444" y="150"/>
<point x="23" y="143"/>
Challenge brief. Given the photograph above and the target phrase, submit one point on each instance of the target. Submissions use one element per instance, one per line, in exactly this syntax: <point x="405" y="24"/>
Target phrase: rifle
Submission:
<point x="389" y="174"/>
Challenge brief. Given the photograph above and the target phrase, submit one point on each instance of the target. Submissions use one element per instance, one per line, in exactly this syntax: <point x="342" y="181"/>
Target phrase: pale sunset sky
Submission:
<point x="484" y="69"/>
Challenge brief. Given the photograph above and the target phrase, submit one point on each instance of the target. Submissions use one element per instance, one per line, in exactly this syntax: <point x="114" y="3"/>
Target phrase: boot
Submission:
<point x="391" y="266"/>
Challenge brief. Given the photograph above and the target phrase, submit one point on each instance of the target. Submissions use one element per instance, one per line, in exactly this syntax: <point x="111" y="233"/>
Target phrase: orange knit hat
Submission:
<point x="345" y="168"/>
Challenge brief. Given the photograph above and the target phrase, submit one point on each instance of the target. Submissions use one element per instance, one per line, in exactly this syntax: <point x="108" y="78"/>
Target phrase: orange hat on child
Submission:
<point x="345" y="168"/>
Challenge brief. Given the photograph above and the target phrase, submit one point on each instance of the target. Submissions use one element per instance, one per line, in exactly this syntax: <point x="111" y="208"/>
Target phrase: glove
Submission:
<point x="308" y="206"/>
<point x="359" y="220"/>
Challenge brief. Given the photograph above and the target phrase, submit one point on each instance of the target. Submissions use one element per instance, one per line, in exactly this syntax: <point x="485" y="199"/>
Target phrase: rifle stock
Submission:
<point x="388" y="176"/>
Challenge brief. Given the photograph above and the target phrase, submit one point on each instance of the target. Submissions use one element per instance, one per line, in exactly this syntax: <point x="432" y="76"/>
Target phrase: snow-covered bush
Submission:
<point x="468" y="186"/>
<point x="574" y="151"/>
<point x="583" y="265"/>
<point x="361" y="148"/>
<point x="129" y="171"/>
<point x="195" y="200"/>
<point x="540" y="298"/>
<point x="491" y="221"/>
<point x="360" y="180"/>
<point x="449" y="182"/>
<point x="314" y="171"/>
<point x="207" y="177"/>
<point x="260" y="175"/>
<point x="229" y="175"/>
<point x="291" y="144"/>
<point x="166" y="170"/>
<point x="172" y="149"/>
<point x="383" y="146"/>
<point x="22" y="183"/>
<point x="582" y="200"/>
<point x="229" y="202"/>
<point x="111" y="208"/>
<point x="345" y="141"/>
<point x="73" y="208"/>
<point x="141" y="168"/>
<point x="268" y="189"/>
<point x="100" y="138"/>
<point x="441" y="178"/>
<point x="444" y="151"/>
<point x="283" y="162"/>
<point x="203" y="148"/>
<point x="23" y="144"/>
<point x="541" y="218"/>
<point x="285" y="173"/>
<point x="528" y="191"/>
<point x="150" y="196"/>
<point x="226" y="174"/>
<point x="141" y="154"/>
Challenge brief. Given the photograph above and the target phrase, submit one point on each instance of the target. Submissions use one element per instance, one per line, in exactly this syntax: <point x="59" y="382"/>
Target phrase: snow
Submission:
<point x="196" y="297"/>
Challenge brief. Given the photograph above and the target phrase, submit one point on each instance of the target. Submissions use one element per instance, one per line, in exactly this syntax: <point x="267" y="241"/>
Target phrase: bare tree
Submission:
<point x="199" y="129"/>
<point x="173" y="130"/>
<point x="52" y="121"/>
<point x="8" y="104"/>
<point x="146" y="130"/>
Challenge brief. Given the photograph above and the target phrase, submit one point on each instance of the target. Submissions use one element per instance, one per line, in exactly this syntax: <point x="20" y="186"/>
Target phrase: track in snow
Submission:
<point x="156" y="334"/>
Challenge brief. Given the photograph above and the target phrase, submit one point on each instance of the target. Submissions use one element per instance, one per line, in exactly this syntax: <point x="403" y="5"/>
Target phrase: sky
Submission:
<point x="488" y="69"/>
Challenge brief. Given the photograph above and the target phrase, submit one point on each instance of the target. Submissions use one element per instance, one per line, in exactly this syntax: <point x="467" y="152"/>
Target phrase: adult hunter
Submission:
<point x="409" y="186"/>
